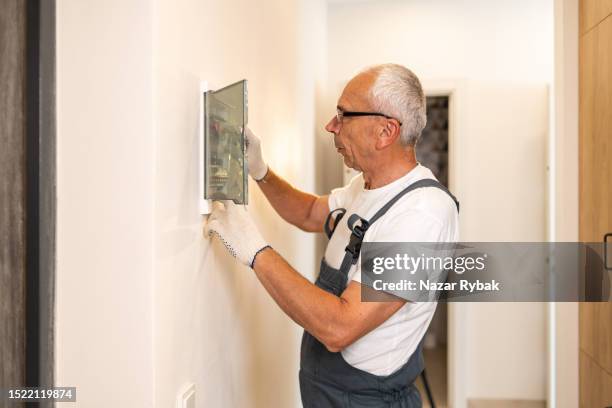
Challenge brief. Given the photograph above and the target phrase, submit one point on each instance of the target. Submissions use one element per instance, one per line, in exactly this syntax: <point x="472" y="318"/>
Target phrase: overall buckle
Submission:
<point x="358" y="231"/>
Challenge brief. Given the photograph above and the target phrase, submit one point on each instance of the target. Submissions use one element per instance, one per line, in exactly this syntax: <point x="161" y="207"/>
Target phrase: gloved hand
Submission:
<point x="233" y="225"/>
<point x="257" y="167"/>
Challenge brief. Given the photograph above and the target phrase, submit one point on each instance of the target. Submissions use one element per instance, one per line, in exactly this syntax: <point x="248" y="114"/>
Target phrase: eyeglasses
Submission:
<point x="342" y="114"/>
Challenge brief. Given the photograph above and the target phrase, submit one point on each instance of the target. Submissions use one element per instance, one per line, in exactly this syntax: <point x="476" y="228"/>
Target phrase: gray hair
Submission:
<point x="397" y="92"/>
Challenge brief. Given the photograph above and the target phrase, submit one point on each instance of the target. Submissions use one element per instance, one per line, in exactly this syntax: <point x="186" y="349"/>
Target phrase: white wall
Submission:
<point x="105" y="206"/>
<point x="481" y="49"/>
<point x="480" y="39"/>
<point x="214" y="323"/>
<point x="145" y="303"/>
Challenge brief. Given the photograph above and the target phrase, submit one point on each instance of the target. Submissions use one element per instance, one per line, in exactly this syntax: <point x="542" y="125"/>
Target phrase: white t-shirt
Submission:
<point x="424" y="215"/>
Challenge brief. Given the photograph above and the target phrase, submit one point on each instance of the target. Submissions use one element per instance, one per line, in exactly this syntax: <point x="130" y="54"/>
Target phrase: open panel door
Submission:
<point x="225" y="118"/>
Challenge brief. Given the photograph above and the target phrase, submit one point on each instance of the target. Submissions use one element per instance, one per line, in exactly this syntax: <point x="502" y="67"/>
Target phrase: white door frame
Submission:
<point x="562" y="323"/>
<point x="457" y="317"/>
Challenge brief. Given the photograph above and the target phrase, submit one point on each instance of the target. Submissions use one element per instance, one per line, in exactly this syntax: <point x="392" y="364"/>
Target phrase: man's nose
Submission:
<point x="332" y="125"/>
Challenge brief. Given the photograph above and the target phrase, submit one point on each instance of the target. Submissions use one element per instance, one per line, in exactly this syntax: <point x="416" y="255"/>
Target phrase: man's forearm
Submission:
<point x="319" y="312"/>
<point x="293" y="205"/>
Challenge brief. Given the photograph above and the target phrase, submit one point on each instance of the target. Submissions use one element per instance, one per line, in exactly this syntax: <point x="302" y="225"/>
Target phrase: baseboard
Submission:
<point x="505" y="403"/>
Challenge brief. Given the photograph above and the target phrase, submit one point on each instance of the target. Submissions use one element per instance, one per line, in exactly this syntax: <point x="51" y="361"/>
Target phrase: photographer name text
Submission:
<point x="426" y="285"/>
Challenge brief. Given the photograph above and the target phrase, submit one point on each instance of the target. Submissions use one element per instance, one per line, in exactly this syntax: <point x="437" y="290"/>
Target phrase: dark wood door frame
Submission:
<point x="41" y="199"/>
<point x="27" y="196"/>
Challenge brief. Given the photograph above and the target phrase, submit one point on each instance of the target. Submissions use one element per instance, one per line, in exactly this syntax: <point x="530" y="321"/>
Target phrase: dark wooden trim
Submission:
<point x="47" y="191"/>
<point x="12" y="192"/>
<point x="40" y="196"/>
<point x="32" y="194"/>
<point x="27" y="191"/>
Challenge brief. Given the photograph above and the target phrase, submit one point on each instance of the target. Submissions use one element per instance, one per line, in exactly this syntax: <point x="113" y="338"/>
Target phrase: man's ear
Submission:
<point x="388" y="134"/>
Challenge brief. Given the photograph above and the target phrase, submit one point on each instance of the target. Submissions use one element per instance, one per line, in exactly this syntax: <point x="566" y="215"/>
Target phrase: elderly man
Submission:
<point x="353" y="353"/>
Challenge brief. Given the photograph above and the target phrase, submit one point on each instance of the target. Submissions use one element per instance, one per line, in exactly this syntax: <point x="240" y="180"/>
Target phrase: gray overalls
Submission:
<point x="326" y="379"/>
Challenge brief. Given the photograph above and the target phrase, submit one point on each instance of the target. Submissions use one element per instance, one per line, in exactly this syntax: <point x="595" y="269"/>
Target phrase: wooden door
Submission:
<point x="595" y="163"/>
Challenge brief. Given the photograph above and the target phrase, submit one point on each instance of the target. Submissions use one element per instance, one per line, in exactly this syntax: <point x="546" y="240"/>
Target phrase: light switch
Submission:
<point x="186" y="398"/>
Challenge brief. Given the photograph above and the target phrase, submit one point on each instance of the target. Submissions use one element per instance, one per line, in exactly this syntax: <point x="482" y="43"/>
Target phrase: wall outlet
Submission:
<point x="186" y="398"/>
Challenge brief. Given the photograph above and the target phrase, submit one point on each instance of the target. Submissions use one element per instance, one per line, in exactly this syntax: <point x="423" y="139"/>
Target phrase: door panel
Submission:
<point x="595" y="163"/>
<point x="592" y="12"/>
<point x="595" y="136"/>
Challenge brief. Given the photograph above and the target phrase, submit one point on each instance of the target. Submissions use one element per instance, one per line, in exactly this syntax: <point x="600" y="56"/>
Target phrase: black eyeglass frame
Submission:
<point x="342" y="113"/>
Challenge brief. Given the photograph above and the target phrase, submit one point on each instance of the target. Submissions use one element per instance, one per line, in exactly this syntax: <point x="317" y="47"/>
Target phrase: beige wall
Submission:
<point x="146" y="304"/>
<point x="214" y="323"/>
<point x="105" y="202"/>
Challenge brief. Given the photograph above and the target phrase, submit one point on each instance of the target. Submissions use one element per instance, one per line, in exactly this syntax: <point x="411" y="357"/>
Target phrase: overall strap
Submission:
<point x="359" y="226"/>
<point x="411" y="187"/>
<point x="329" y="231"/>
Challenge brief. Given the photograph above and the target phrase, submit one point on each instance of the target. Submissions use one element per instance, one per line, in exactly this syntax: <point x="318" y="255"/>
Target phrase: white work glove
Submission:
<point x="234" y="227"/>
<point x="257" y="167"/>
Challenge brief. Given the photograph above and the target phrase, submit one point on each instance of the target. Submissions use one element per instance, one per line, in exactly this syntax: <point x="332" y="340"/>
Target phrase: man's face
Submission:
<point x="354" y="137"/>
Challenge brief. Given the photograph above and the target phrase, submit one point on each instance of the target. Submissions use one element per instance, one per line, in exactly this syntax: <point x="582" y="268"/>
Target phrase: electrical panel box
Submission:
<point x="224" y="166"/>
